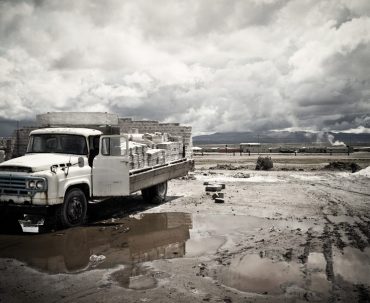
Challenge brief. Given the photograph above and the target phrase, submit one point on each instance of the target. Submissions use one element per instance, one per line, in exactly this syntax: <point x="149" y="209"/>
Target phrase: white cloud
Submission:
<point x="219" y="65"/>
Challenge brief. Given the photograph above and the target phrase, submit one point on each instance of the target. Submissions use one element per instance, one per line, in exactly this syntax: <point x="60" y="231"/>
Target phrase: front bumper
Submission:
<point x="12" y="208"/>
<point x="36" y="199"/>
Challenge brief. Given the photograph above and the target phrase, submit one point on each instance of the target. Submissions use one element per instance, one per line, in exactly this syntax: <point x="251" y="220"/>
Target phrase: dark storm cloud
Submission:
<point x="218" y="65"/>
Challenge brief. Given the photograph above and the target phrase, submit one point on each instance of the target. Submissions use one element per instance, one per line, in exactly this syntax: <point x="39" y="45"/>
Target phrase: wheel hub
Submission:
<point x="75" y="210"/>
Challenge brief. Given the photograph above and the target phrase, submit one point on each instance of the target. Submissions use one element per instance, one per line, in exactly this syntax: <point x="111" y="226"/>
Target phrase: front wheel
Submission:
<point x="155" y="194"/>
<point x="73" y="211"/>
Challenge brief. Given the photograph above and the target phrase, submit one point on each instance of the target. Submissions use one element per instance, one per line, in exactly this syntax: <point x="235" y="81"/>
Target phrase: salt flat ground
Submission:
<point x="294" y="234"/>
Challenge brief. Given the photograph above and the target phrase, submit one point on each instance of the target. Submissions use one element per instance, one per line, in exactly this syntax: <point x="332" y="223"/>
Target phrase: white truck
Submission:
<point x="65" y="169"/>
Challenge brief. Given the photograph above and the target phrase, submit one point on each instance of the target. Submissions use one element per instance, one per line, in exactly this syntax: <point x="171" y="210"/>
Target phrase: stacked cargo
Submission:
<point x="156" y="137"/>
<point x="151" y="149"/>
<point x="173" y="150"/>
<point x="137" y="155"/>
<point x="183" y="133"/>
<point x="156" y="157"/>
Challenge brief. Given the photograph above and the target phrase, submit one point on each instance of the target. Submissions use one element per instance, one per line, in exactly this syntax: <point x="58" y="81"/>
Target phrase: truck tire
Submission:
<point x="155" y="194"/>
<point x="73" y="211"/>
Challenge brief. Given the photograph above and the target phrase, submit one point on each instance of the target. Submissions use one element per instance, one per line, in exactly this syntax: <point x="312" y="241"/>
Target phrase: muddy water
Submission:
<point x="353" y="265"/>
<point x="124" y="244"/>
<point x="252" y="273"/>
<point x="125" y="241"/>
<point x="249" y="272"/>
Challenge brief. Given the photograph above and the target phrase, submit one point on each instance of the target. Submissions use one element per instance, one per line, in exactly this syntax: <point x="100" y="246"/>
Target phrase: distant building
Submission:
<point x="2" y="155"/>
<point x="339" y="149"/>
<point x="254" y="148"/>
<point x="312" y="149"/>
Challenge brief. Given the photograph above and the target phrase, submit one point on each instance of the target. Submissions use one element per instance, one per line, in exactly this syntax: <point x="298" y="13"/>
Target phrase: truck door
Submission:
<point x="110" y="171"/>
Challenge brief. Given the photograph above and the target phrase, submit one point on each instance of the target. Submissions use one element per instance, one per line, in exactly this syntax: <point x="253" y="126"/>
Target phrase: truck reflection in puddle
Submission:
<point x="125" y="241"/>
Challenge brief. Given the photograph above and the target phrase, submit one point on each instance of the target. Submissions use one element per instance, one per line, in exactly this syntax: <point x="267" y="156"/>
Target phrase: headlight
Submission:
<point x="40" y="184"/>
<point x="31" y="184"/>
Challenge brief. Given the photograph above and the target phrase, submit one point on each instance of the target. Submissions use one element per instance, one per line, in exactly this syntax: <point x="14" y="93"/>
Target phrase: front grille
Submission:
<point x="13" y="185"/>
<point x="17" y="185"/>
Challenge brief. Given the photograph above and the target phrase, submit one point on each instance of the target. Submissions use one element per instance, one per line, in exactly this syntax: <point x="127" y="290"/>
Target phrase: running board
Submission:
<point x="96" y="201"/>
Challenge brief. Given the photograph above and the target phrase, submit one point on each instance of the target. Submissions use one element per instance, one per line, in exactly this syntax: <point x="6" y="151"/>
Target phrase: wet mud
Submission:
<point x="279" y="237"/>
<point x="124" y="241"/>
<point x="251" y="273"/>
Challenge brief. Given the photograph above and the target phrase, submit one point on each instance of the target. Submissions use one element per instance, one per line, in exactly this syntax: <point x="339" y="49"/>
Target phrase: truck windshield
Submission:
<point x="57" y="143"/>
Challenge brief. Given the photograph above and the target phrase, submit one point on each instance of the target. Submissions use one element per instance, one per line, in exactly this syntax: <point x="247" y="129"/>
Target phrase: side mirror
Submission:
<point x="81" y="162"/>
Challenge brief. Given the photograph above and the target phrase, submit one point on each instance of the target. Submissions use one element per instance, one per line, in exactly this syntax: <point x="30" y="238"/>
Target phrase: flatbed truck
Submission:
<point x="66" y="169"/>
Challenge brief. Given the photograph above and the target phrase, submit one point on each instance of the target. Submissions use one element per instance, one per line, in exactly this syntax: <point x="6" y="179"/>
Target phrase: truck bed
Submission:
<point x="149" y="176"/>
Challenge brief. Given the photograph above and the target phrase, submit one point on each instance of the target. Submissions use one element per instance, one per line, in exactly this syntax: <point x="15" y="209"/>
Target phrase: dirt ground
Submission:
<point x="297" y="233"/>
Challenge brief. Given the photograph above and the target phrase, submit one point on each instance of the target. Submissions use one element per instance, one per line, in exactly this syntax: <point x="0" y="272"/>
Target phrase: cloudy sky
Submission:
<point x="218" y="65"/>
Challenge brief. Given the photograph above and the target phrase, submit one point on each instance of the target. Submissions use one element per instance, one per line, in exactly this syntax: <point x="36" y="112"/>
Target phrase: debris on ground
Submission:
<point x="228" y="167"/>
<point x="216" y="187"/>
<point x="96" y="260"/>
<point x="189" y="176"/>
<point x="264" y="163"/>
<point x="338" y="165"/>
<point x="224" y="167"/>
<point x="218" y="195"/>
<point x="241" y="175"/>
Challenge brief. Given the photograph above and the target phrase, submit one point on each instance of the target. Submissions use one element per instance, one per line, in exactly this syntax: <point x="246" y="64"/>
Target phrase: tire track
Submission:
<point x="328" y="253"/>
<point x="306" y="250"/>
<point x="329" y="269"/>
<point x="364" y="227"/>
<point x="353" y="235"/>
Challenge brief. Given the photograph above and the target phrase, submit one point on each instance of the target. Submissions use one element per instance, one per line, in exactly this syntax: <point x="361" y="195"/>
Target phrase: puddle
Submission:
<point x="135" y="277"/>
<point x="320" y="283"/>
<point x="316" y="262"/>
<point x="133" y="240"/>
<point x="252" y="273"/>
<point x="199" y="246"/>
<point x="124" y="241"/>
<point x="128" y="241"/>
<point x="316" y="267"/>
<point x="353" y="265"/>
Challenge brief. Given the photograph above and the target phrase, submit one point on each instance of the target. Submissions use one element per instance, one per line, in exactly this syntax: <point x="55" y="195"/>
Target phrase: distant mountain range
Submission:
<point x="300" y="137"/>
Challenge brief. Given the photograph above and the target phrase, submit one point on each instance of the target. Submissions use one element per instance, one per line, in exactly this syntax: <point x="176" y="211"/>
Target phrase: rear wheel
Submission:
<point x="73" y="211"/>
<point x="155" y="194"/>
